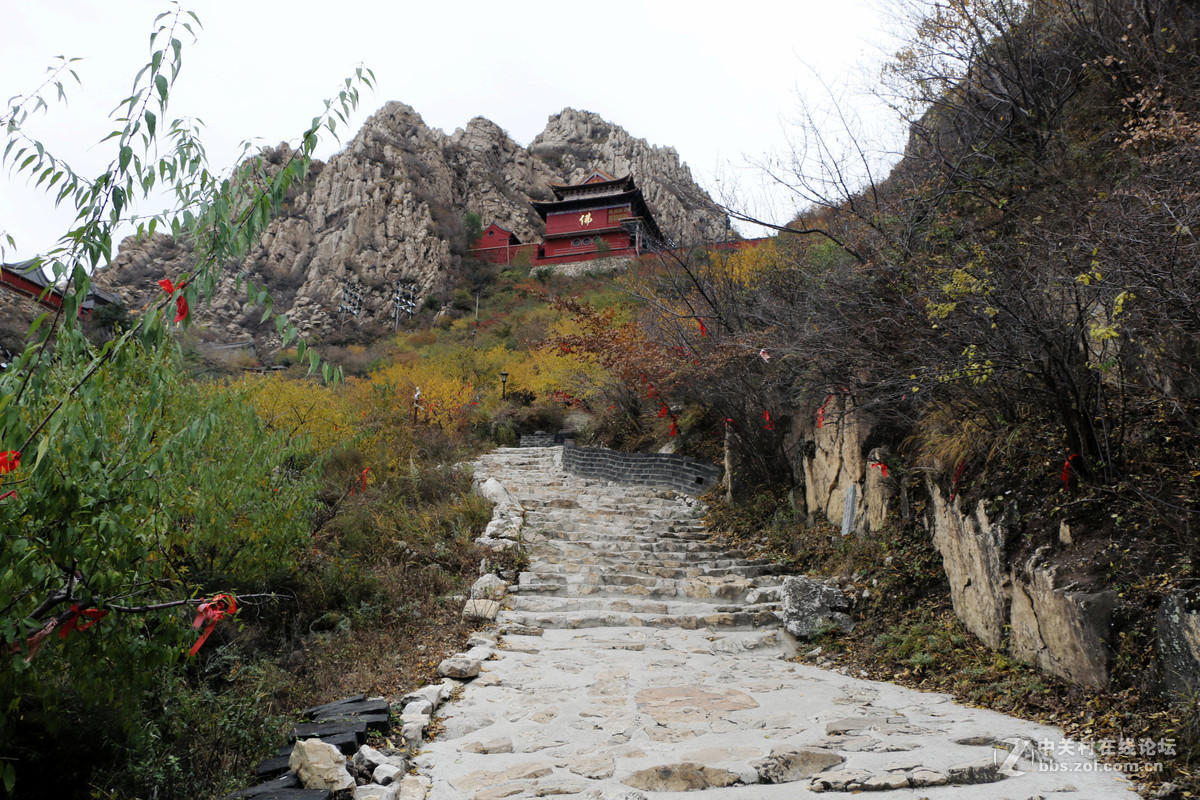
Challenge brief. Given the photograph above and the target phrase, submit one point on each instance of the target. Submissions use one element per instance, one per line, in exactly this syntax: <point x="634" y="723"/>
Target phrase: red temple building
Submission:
<point x="601" y="216"/>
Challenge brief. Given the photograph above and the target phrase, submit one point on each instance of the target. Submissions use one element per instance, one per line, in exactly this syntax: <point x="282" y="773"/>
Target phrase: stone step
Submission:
<point x="646" y="573"/>
<point x="743" y="620"/>
<point x="646" y="550"/>
<point x="635" y="605"/>
<point x="663" y="566"/>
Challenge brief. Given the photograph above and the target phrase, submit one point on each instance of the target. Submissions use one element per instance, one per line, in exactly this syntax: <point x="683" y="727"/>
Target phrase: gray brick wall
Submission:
<point x="543" y="439"/>
<point x="682" y="473"/>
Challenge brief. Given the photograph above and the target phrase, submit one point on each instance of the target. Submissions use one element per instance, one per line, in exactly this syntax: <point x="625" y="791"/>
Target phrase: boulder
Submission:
<point x="489" y="587"/>
<point x="495" y="493"/>
<point x="811" y="606"/>
<point x="1063" y="632"/>
<point x="320" y="766"/>
<point x="486" y="610"/>
<point x="460" y="666"/>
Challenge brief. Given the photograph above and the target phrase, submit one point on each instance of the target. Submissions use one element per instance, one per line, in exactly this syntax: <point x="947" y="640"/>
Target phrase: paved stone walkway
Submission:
<point x="660" y="668"/>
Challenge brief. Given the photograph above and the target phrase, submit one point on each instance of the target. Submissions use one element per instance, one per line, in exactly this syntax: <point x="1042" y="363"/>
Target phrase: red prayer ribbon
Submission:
<point x="663" y="410"/>
<point x="821" y="412"/>
<point x="882" y="467"/>
<point x="7" y="495"/>
<point x="650" y="392"/>
<point x="1065" y="477"/>
<point x="364" y="478"/>
<point x="72" y="624"/>
<point x="181" y="303"/>
<point x="703" y="330"/>
<point x="769" y="426"/>
<point x="958" y="473"/>
<point x="674" y="430"/>
<point x="9" y="460"/>
<point x="212" y="612"/>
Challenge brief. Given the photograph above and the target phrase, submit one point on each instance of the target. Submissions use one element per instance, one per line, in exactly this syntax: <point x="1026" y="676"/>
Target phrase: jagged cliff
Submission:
<point x="390" y="207"/>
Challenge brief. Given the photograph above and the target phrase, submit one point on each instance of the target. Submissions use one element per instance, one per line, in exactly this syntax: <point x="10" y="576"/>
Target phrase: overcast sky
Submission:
<point x="721" y="83"/>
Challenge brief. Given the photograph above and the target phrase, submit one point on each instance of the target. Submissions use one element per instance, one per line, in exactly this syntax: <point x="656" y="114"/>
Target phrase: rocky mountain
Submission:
<point x="389" y="209"/>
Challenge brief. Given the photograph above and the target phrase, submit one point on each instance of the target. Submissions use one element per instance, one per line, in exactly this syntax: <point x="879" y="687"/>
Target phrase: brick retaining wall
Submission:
<point x="682" y="473"/>
<point x="543" y="439"/>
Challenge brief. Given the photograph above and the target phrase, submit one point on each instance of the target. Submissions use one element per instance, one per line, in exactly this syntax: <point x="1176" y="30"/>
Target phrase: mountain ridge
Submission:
<point x="389" y="208"/>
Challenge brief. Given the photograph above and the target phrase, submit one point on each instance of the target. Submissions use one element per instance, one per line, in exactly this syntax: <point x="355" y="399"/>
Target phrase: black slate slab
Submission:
<point x="273" y="766"/>
<point x="349" y="708"/>
<point x="375" y="722"/>
<point x="357" y="698"/>
<point x="307" y="730"/>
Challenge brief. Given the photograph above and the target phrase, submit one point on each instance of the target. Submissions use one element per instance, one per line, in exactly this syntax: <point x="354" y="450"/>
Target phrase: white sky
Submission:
<point x="719" y="82"/>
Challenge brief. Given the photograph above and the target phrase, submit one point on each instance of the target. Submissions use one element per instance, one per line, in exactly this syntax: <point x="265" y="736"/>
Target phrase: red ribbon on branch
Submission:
<point x="958" y="473"/>
<point x="364" y="479"/>
<point x="663" y="410"/>
<point x="212" y="612"/>
<point x="674" y="430"/>
<point x="181" y="303"/>
<point x="821" y="412"/>
<point x="72" y="624"/>
<point x="651" y="392"/>
<point x="882" y="467"/>
<point x="769" y="426"/>
<point x="703" y="330"/>
<point x="1065" y="477"/>
<point x="729" y="421"/>
<point x="9" y="461"/>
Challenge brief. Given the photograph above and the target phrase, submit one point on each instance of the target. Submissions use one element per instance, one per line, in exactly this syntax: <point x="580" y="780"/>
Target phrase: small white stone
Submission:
<point x="420" y="706"/>
<point x="373" y="791"/>
<point x="386" y="774"/>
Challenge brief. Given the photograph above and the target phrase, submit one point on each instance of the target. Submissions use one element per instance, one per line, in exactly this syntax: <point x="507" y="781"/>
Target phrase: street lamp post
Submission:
<point x="503" y="384"/>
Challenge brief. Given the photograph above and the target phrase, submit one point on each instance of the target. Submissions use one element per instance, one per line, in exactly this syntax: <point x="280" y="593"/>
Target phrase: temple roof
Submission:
<point x="594" y="185"/>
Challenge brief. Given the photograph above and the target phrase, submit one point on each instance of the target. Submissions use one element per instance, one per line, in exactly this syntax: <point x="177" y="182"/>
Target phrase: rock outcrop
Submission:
<point x="1020" y="604"/>
<point x="1178" y="624"/>
<point x="834" y="457"/>
<point x="1010" y="598"/>
<point x="388" y="212"/>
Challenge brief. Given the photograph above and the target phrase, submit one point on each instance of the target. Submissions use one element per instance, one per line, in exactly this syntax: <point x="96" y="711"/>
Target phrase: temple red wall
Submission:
<point x="603" y="217"/>
<point x="617" y="243"/>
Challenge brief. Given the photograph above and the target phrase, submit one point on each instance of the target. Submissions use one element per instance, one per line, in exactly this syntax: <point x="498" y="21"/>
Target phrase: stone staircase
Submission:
<point x="605" y="555"/>
<point x="640" y="656"/>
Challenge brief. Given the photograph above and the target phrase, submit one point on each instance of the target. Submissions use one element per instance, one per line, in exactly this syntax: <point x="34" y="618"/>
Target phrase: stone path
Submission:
<point x="638" y="658"/>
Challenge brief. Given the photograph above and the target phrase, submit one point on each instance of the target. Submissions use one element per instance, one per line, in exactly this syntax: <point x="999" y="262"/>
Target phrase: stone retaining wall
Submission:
<point x="543" y="439"/>
<point x="670" y="471"/>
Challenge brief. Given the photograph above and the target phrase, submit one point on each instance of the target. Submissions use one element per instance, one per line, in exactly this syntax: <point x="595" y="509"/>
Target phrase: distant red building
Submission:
<point x="28" y="280"/>
<point x="601" y="216"/>
<point x="499" y="246"/>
